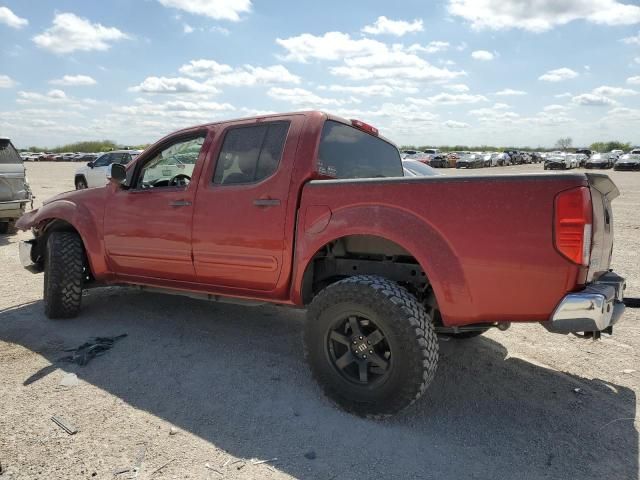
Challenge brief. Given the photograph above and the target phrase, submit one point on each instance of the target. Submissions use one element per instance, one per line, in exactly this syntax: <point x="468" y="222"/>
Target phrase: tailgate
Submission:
<point x="12" y="182"/>
<point x="603" y="191"/>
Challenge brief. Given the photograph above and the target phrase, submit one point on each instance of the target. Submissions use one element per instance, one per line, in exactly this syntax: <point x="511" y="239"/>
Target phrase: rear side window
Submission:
<point x="8" y="154"/>
<point x="346" y="152"/>
<point x="250" y="154"/>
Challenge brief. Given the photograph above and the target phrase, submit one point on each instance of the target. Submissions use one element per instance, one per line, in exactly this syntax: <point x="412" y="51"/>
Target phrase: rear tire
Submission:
<point x="394" y="340"/>
<point x="63" y="275"/>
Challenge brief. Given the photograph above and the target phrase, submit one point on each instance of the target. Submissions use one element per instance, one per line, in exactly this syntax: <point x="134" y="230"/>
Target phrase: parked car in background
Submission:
<point x="414" y="168"/>
<point x="627" y="161"/>
<point x="574" y="160"/>
<point x="557" y="162"/>
<point x="407" y="153"/>
<point x="585" y="151"/>
<point x="439" y="161"/>
<point x="15" y="193"/>
<point x="470" y="160"/>
<point x="600" y="160"/>
<point x="94" y="173"/>
<point x="635" y="151"/>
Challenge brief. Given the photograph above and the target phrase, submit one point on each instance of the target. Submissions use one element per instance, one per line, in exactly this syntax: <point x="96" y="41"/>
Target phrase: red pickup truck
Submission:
<point x="312" y="211"/>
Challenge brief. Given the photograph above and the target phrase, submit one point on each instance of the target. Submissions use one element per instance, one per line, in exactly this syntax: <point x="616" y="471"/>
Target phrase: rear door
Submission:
<point x="241" y="208"/>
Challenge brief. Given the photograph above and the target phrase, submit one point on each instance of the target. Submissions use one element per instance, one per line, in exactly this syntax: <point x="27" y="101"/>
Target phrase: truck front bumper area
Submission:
<point x="594" y="309"/>
<point x="13" y="209"/>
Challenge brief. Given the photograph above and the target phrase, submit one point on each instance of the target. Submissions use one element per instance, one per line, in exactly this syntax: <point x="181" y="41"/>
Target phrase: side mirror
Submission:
<point x="90" y="164"/>
<point x="117" y="173"/>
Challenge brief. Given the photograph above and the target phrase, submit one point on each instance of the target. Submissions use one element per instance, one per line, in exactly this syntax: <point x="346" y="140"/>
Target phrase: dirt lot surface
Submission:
<point x="203" y="389"/>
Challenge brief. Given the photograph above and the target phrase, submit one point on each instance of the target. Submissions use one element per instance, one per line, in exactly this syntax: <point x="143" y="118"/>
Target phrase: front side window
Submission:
<point x="346" y="152"/>
<point x="250" y="154"/>
<point x="173" y="166"/>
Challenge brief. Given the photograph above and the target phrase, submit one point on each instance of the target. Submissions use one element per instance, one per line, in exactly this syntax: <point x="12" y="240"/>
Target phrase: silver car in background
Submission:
<point x="15" y="193"/>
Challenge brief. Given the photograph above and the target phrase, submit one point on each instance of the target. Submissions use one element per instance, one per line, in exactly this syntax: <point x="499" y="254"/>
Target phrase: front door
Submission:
<point x="240" y="213"/>
<point x="147" y="227"/>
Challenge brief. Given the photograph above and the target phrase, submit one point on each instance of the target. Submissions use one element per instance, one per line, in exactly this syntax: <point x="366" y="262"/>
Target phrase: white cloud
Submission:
<point x="383" y="25"/>
<point x="220" y="30"/>
<point x="216" y="9"/>
<point x="633" y="40"/>
<point x="544" y="15"/>
<point x="554" y="108"/>
<point x="6" y="81"/>
<point x="510" y="92"/>
<point x="173" y="85"/>
<point x="364" y="90"/>
<point x="10" y="19"/>
<point x="455" y="124"/>
<point x="73" y="80"/>
<point x="457" y="87"/>
<point x="592" y="100"/>
<point x="564" y="95"/>
<point x="300" y="96"/>
<point x="187" y="29"/>
<point x="558" y="75"/>
<point x="330" y="46"/>
<point x="501" y="106"/>
<point x="70" y="33"/>
<point x="448" y="99"/>
<point x="634" y="80"/>
<point x="432" y="47"/>
<point x="221" y="74"/>
<point x="482" y="55"/>
<point x="613" y="91"/>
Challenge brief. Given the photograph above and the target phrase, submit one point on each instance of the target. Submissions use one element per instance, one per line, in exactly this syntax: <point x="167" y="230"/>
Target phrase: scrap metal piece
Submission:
<point x="66" y="426"/>
<point x="93" y="348"/>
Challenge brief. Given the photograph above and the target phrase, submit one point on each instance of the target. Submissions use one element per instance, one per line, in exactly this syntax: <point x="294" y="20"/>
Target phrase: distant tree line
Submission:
<point x="92" y="146"/>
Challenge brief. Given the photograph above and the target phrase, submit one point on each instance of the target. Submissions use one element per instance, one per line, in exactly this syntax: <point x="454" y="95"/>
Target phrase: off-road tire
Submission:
<point x="81" y="183"/>
<point x="409" y="332"/>
<point x="63" y="275"/>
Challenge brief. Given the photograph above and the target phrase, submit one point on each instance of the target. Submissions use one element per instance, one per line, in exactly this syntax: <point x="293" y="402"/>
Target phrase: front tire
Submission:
<point x="81" y="184"/>
<point x="63" y="275"/>
<point x="370" y="345"/>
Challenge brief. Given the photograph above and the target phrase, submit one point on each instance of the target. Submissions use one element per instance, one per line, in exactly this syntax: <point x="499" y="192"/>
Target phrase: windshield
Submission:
<point x="346" y="152"/>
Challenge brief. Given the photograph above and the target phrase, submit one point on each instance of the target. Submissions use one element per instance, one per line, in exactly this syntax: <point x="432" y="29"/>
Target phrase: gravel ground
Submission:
<point x="203" y="389"/>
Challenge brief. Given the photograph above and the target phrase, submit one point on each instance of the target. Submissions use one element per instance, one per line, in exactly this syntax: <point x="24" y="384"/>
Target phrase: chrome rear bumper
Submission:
<point x="594" y="309"/>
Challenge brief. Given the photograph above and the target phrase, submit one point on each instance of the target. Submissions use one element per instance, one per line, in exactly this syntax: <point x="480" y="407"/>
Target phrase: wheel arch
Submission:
<point x="421" y="240"/>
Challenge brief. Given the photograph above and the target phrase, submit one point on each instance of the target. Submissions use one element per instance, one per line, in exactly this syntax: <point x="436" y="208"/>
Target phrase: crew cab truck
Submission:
<point x="312" y="211"/>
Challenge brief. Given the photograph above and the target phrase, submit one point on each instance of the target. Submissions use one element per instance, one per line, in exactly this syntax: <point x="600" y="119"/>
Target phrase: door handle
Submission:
<point x="180" y="203"/>
<point x="266" y="202"/>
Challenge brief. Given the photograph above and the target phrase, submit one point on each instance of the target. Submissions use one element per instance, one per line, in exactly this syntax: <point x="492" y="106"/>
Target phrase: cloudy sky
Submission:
<point x="501" y="72"/>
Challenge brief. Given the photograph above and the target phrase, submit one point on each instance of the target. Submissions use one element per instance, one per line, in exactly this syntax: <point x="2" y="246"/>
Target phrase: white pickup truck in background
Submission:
<point x="94" y="174"/>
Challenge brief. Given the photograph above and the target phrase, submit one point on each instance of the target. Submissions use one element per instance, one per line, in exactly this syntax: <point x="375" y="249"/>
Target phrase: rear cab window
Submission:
<point x="8" y="154"/>
<point x="346" y="152"/>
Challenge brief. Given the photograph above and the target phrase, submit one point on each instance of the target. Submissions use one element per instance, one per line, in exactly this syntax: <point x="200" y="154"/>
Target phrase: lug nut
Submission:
<point x="360" y="338"/>
<point x="371" y="352"/>
<point x="364" y="356"/>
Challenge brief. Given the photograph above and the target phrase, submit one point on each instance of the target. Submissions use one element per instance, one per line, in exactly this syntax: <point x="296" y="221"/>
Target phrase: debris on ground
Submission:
<point x="213" y="469"/>
<point x="260" y="462"/>
<point x="93" y="348"/>
<point x="311" y="455"/>
<point x="66" y="426"/>
<point x="628" y="371"/>
<point x="161" y="467"/>
<point x="69" y="380"/>
<point x="173" y="431"/>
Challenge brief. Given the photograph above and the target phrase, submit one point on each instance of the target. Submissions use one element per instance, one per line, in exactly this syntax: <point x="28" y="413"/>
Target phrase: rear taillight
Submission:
<point x="572" y="228"/>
